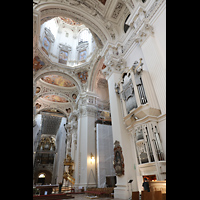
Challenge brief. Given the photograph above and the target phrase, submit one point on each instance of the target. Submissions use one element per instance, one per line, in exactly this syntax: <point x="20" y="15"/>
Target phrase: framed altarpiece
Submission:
<point x="118" y="159"/>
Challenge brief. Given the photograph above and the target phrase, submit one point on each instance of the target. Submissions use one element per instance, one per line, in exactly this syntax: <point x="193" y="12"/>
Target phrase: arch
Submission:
<point x="51" y="107"/>
<point x="48" y="175"/>
<point x="98" y="65"/>
<point x="49" y="10"/>
<point x="41" y="175"/>
<point x="49" y="93"/>
<point x="46" y="72"/>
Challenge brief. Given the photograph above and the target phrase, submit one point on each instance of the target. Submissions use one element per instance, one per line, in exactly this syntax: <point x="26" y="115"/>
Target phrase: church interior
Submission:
<point x="99" y="98"/>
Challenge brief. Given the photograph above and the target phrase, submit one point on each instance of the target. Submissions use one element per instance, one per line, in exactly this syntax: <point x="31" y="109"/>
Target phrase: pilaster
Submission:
<point x="156" y="68"/>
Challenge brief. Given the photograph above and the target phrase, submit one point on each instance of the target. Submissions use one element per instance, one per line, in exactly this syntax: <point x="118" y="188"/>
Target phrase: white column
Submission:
<point x="121" y="134"/>
<point x="85" y="171"/>
<point x="74" y="143"/>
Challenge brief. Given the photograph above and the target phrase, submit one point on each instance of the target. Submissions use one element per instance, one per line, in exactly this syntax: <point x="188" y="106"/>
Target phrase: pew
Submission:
<point x="163" y="196"/>
<point x="52" y="196"/>
<point x="146" y="195"/>
<point x="95" y="192"/>
<point x="155" y="195"/>
<point x="100" y="191"/>
<point x="135" y="195"/>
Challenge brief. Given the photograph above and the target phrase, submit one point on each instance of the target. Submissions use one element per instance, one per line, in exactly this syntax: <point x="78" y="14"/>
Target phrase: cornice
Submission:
<point x="146" y="119"/>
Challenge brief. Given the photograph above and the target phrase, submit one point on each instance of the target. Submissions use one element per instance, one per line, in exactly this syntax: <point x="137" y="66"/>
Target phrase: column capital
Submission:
<point x="114" y="63"/>
<point x="87" y="110"/>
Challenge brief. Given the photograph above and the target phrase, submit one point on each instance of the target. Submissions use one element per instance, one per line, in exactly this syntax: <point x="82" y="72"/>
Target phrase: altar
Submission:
<point x="46" y="189"/>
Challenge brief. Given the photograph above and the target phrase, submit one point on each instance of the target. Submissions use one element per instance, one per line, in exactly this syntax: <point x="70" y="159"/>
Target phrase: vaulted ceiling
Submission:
<point x="58" y="85"/>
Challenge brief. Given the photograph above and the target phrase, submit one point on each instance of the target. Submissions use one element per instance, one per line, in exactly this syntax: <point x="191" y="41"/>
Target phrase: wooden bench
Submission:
<point x="100" y="191"/>
<point x="93" y="192"/>
<point x="52" y="196"/>
<point x="135" y="195"/>
<point x="155" y="195"/>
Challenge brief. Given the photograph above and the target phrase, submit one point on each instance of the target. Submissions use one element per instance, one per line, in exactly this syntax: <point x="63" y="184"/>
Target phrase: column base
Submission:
<point x="122" y="192"/>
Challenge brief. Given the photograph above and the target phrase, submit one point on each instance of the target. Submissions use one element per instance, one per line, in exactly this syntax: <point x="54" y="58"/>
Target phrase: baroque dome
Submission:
<point x="66" y="41"/>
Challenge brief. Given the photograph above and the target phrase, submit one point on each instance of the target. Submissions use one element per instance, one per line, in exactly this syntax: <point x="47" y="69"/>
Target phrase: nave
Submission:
<point x="99" y="95"/>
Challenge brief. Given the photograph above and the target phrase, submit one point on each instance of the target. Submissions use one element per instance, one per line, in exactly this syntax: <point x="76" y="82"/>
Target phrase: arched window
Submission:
<point x="126" y="27"/>
<point x="42" y="175"/>
<point x="84" y="36"/>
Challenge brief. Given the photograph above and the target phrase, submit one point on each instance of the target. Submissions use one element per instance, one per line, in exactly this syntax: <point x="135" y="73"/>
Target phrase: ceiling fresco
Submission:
<point x="55" y="98"/>
<point x="70" y="21"/>
<point x="58" y="80"/>
<point x="37" y="63"/>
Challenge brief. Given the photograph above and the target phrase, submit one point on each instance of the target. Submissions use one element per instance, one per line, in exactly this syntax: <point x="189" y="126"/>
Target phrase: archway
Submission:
<point x="75" y="12"/>
<point x="55" y="72"/>
<point x="43" y="177"/>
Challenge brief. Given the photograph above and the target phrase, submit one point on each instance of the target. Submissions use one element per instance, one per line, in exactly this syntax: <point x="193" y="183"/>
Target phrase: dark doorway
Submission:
<point x="110" y="181"/>
<point x="41" y="180"/>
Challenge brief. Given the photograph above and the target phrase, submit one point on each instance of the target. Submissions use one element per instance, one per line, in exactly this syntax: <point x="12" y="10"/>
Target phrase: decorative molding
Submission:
<point x="114" y="62"/>
<point x="117" y="10"/>
<point x="82" y="46"/>
<point x="49" y="35"/>
<point x="45" y="105"/>
<point x="141" y="26"/>
<point x="87" y="111"/>
<point x="129" y="4"/>
<point x="65" y="47"/>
